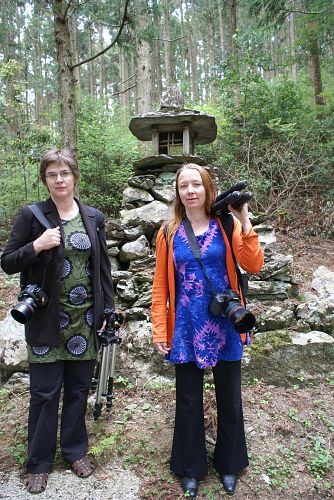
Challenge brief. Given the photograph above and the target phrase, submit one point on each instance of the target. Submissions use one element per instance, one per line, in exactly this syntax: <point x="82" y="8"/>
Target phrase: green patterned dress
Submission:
<point x="76" y="301"/>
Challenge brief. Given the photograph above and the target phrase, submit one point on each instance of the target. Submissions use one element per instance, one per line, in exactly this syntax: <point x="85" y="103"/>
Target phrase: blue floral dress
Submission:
<point x="200" y="336"/>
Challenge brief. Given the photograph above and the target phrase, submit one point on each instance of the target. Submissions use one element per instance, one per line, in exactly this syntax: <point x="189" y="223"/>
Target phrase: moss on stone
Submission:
<point x="269" y="341"/>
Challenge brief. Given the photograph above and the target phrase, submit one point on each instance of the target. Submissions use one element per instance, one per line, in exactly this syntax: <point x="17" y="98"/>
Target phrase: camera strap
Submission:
<point x="228" y="225"/>
<point x="197" y="254"/>
<point x="45" y="256"/>
<point x="196" y="250"/>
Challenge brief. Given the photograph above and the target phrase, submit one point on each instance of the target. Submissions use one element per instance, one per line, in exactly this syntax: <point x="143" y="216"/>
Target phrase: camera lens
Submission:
<point x="241" y="319"/>
<point x="22" y="312"/>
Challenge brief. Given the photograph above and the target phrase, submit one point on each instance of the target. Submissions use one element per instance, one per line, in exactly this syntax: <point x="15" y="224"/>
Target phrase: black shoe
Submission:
<point x="189" y="486"/>
<point x="229" y="482"/>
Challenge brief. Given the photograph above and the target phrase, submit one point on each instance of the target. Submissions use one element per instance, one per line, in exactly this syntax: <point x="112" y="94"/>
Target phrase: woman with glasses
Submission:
<point x="70" y="263"/>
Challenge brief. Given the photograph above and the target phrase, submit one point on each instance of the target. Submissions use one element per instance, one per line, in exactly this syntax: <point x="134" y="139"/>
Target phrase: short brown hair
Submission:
<point x="62" y="157"/>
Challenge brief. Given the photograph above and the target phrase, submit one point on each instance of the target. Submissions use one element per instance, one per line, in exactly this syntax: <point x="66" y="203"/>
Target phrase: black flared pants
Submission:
<point x="189" y="451"/>
<point x="46" y="381"/>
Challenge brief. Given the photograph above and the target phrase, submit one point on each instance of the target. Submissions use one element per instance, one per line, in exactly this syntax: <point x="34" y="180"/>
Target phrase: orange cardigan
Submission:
<point x="248" y="253"/>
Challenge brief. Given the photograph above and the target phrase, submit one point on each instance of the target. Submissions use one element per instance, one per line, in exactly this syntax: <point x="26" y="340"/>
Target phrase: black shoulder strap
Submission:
<point x="228" y="225"/>
<point x="196" y="249"/>
<point x="36" y="210"/>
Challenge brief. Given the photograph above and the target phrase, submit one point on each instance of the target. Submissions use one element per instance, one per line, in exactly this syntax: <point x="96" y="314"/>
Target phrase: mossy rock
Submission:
<point x="275" y="358"/>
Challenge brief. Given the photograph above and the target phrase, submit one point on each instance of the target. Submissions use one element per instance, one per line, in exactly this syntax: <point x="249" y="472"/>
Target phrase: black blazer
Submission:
<point x="43" y="328"/>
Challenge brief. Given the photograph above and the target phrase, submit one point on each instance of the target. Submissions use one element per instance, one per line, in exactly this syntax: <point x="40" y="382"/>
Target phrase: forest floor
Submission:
<point x="289" y="430"/>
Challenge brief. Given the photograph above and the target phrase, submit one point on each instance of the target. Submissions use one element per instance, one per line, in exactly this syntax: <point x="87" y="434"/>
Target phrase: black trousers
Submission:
<point x="189" y="452"/>
<point x="46" y="381"/>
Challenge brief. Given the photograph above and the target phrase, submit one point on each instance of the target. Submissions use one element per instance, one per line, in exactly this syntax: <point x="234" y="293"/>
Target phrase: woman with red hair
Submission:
<point x="191" y="336"/>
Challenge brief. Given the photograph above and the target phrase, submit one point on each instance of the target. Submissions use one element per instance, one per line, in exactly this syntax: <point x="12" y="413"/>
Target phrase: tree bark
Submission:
<point x="72" y="22"/>
<point x="192" y="49"/>
<point x="65" y="75"/>
<point x="315" y="62"/>
<point x="144" y="69"/>
<point x="212" y="63"/>
<point x="221" y="31"/>
<point x="292" y="40"/>
<point x="102" y="70"/>
<point x="124" y="74"/>
<point x="91" y="79"/>
<point x="157" y="55"/>
<point x="37" y="62"/>
<point x="167" y="45"/>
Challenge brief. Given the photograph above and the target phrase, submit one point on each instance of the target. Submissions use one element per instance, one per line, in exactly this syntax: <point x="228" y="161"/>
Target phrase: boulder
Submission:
<point x="269" y="290"/>
<point x="149" y="216"/>
<point x="132" y="233"/>
<point x="317" y="312"/>
<point x="142" y="181"/>
<point x="138" y="356"/>
<point x="13" y="351"/>
<point x="323" y="282"/>
<point x="135" y="197"/>
<point x="133" y="250"/>
<point x="275" y="317"/>
<point x="266" y="234"/>
<point x="164" y="188"/>
<point x="277" y="267"/>
<point x="127" y="290"/>
<point x="284" y="357"/>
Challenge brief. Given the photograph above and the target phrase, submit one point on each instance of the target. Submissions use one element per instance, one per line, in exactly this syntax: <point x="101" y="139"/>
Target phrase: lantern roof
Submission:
<point x="202" y="125"/>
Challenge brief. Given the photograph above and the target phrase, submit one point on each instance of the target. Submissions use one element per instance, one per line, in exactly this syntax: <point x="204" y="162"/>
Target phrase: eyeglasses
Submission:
<point x="64" y="174"/>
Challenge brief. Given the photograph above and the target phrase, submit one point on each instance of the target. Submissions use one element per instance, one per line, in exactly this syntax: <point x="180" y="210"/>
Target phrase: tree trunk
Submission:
<point x="292" y="39"/>
<point x="234" y="53"/>
<point x="167" y="44"/>
<point x="192" y="49"/>
<point x="157" y="55"/>
<point x="102" y="70"/>
<point x="315" y="62"/>
<point x="91" y="86"/>
<point x="65" y="75"/>
<point x="183" y="57"/>
<point x="72" y="22"/>
<point x="124" y="75"/>
<point x="212" y="63"/>
<point x="221" y="32"/>
<point x="144" y="69"/>
<point x="37" y="62"/>
<point x="7" y="13"/>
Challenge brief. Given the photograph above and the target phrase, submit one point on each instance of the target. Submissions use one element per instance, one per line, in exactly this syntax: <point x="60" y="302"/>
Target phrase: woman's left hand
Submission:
<point x="242" y="215"/>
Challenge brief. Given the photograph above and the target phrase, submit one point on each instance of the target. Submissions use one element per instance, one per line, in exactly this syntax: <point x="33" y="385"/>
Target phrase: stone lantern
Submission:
<point x="174" y="132"/>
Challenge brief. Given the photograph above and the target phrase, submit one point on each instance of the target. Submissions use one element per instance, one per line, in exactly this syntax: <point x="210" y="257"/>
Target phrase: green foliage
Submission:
<point x="106" y="445"/>
<point x="106" y="152"/>
<point x="268" y="135"/>
<point x="320" y="459"/>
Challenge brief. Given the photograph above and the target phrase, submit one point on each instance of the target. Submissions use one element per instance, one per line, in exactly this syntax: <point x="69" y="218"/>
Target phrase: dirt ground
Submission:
<point x="289" y="435"/>
<point x="289" y="430"/>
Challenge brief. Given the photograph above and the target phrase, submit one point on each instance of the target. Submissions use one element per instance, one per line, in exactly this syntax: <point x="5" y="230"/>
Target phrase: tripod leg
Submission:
<point x="112" y="365"/>
<point x="102" y="380"/>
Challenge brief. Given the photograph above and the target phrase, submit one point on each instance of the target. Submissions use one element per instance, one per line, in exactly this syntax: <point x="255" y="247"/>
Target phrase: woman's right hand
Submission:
<point x="162" y="347"/>
<point x="49" y="239"/>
